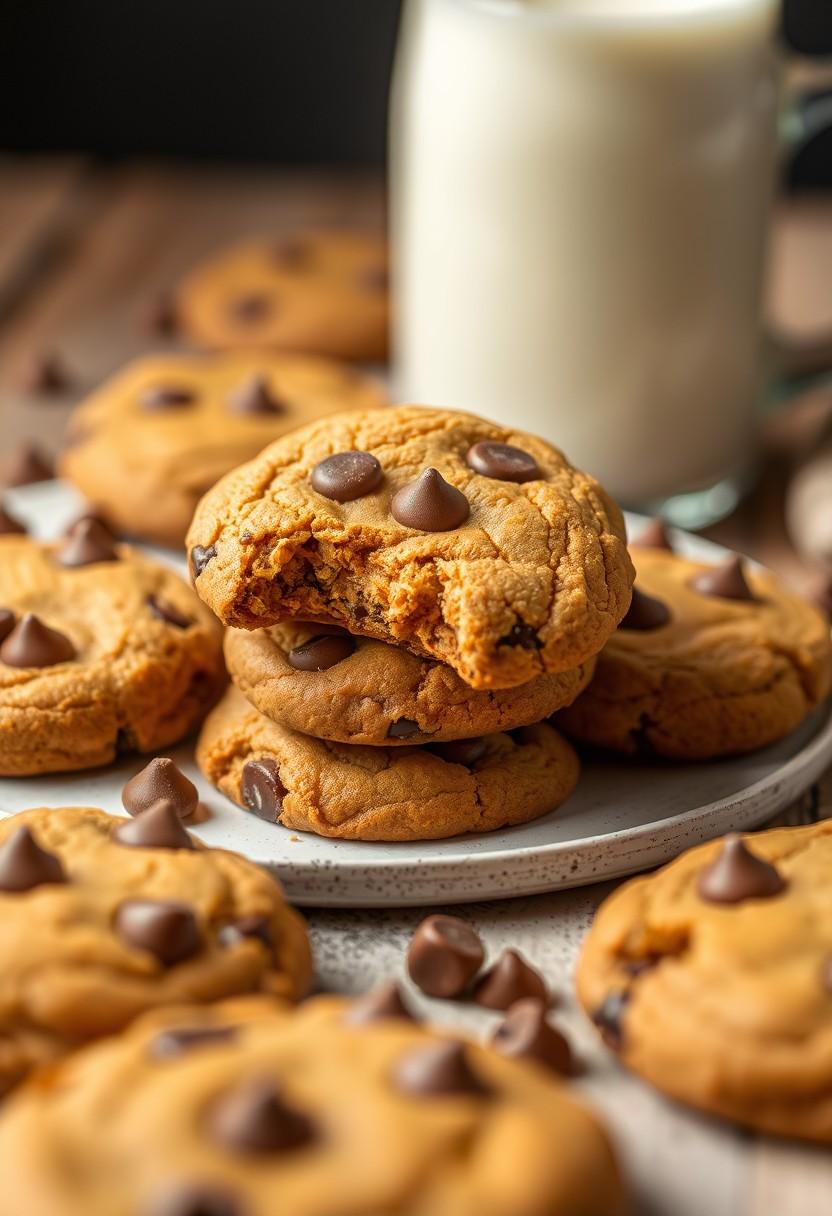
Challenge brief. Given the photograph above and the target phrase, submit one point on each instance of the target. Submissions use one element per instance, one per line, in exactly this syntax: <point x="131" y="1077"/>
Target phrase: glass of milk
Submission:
<point x="580" y="194"/>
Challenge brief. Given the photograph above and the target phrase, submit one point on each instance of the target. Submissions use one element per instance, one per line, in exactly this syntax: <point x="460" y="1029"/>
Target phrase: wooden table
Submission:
<point x="84" y="251"/>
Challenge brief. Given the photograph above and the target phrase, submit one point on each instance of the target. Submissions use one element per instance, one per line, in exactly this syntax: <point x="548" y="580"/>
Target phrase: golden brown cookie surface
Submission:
<point x="382" y="522"/>
<point x="382" y="793"/>
<point x="151" y="440"/>
<point x="94" y="931"/>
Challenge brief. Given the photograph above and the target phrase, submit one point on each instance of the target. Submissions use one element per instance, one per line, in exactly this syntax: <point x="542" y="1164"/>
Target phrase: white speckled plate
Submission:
<point x="623" y="817"/>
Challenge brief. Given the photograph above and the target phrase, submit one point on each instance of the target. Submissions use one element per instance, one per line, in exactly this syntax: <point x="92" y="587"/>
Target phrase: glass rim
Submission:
<point x="534" y="14"/>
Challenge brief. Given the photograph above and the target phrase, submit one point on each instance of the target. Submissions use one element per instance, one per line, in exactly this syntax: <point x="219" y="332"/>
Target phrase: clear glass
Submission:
<point x="580" y="192"/>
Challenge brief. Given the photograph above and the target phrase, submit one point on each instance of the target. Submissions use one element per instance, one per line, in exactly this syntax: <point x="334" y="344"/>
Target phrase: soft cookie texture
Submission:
<point x="151" y="440"/>
<point x="379" y="793"/>
<point x="713" y="979"/>
<point x="719" y="675"/>
<point x="94" y="931"/>
<point x="356" y="690"/>
<point x="245" y="1110"/>
<point x="120" y="654"/>
<point x="502" y="576"/>
<point x="320" y="292"/>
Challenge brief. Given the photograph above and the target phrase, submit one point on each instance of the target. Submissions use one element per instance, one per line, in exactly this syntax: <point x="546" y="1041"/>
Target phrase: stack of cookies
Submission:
<point x="410" y="593"/>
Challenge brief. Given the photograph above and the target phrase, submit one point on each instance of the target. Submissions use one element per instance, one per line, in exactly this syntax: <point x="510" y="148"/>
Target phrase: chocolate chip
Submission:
<point x="737" y="874"/>
<point x="249" y="308"/>
<point x="502" y="461"/>
<point x="161" y="779"/>
<point x="255" y="396"/>
<point x="461" y="751"/>
<point x="726" y="581"/>
<point x="645" y="612"/>
<point x="160" y="316"/>
<point x="163" y="610"/>
<point x="608" y="1018"/>
<point x="403" y="728"/>
<point x="439" y="1070"/>
<point x="179" y="1040"/>
<point x="444" y="956"/>
<point x="88" y="543"/>
<point x="526" y="1035"/>
<point x="25" y="466"/>
<point x="347" y="476"/>
<point x="523" y="636"/>
<point x="292" y="253"/>
<point x="430" y="503"/>
<point x="321" y="652"/>
<point x="33" y="644"/>
<point x="654" y="536"/>
<point x="381" y="1005"/>
<point x="200" y="557"/>
<point x="166" y="397"/>
<point x="7" y="619"/>
<point x="164" y="928"/>
<point x="24" y="864"/>
<point x="253" y="1118"/>
<point x="190" y="1200"/>
<point x="244" y="927"/>
<point x="509" y="980"/>
<point x="9" y="526"/>
<point x="262" y="790"/>
<point x="159" y="827"/>
<point x="47" y="373"/>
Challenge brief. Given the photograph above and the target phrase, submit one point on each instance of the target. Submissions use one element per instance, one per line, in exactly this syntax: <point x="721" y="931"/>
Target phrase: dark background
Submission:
<point x="285" y="81"/>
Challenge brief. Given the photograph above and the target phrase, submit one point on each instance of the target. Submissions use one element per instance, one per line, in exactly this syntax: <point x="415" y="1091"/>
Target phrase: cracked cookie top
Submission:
<point x="459" y="539"/>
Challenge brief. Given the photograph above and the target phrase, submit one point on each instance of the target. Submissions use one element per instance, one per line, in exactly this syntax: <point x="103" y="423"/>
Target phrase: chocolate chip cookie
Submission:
<point x="382" y="793"/>
<point x="713" y="979"/>
<point x="102" y="650"/>
<point x="709" y="661"/>
<point x="102" y="919"/>
<point x="323" y="681"/>
<point x="151" y="440"/>
<point x="318" y="292"/>
<point x="246" y="1110"/>
<point x="458" y="539"/>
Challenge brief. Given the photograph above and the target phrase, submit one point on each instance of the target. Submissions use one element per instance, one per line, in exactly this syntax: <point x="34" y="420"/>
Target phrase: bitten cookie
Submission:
<point x="104" y="918"/>
<point x="713" y="979"/>
<point x="319" y="292"/>
<point x="244" y="1110"/>
<point x="322" y="681"/>
<point x="710" y="661"/>
<point x="150" y="441"/>
<point x="456" y="538"/>
<point x="380" y="793"/>
<point x="101" y="650"/>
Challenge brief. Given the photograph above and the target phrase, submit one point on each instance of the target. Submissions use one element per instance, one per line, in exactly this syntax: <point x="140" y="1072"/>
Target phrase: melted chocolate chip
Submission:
<point x="347" y="476"/>
<point x="654" y="536"/>
<point x="200" y="557"/>
<point x="159" y="827"/>
<point x="509" y="980"/>
<point x="439" y="1070"/>
<point x="9" y="526"/>
<point x="526" y="1035"/>
<point x="430" y="504"/>
<point x="25" y="865"/>
<point x="461" y="751"/>
<point x="250" y="308"/>
<point x="321" y="652"/>
<point x="523" y="636"/>
<point x="178" y="1041"/>
<point x="262" y="790"/>
<point x="88" y="543"/>
<point x="7" y="619"/>
<point x="381" y="1005"/>
<point x="253" y="1118"/>
<point x="166" y="397"/>
<point x="47" y="373"/>
<point x="245" y="927"/>
<point x="738" y="874"/>
<point x="645" y="612"/>
<point x="502" y="462"/>
<point x="608" y="1018"/>
<point x="25" y="466"/>
<point x="160" y="780"/>
<point x="444" y="956"/>
<point x="164" y="928"/>
<point x="188" y="1200"/>
<point x="163" y="610"/>
<point x="33" y="644"/>
<point x="403" y="728"/>
<point x="255" y="397"/>
<point x="726" y="581"/>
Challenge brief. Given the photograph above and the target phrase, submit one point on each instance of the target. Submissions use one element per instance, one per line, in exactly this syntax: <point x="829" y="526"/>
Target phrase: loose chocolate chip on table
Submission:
<point x="726" y="581"/>
<point x="255" y="397"/>
<point x="262" y="790"/>
<point x="200" y="557"/>
<point x="24" y="864"/>
<point x="654" y="536"/>
<point x="461" y="751"/>
<point x="439" y="1070"/>
<point x="165" y="611"/>
<point x="381" y="1005"/>
<point x="25" y="466"/>
<point x="321" y="652"/>
<point x="160" y="779"/>
<point x="158" y="827"/>
<point x="502" y="461"/>
<point x="404" y="728"/>
<point x="253" y="1118"/>
<point x="88" y="543"/>
<point x="250" y="308"/>
<point x="509" y="980"/>
<point x="33" y="644"/>
<point x="179" y="1040"/>
<point x="645" y="612"/>
<point x="527" y="1035"/>
<point x="193" y="1201"/>
<point x="347" y="476"/>
<point x="166" y="397"/>
<point x="444" y="956"/>
<point x="523" y="636"/>
<point x="430" y="504"/>
<point x="47" y="373"/>
<point x="244" y="927"/>
<point x="737" y="874"/>
<point x="164" y="928"/>
<point x="9" y="526"/>
<point x="608" y="1019"/>
<point x="7" y="619"/>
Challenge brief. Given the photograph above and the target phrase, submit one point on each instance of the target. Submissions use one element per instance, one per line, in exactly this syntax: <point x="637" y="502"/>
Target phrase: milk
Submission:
<point x="579" y="202"/>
